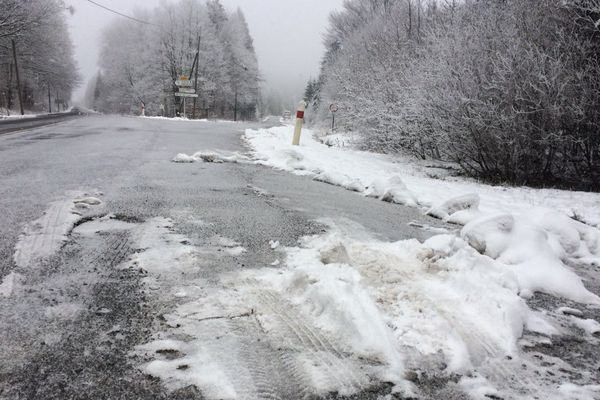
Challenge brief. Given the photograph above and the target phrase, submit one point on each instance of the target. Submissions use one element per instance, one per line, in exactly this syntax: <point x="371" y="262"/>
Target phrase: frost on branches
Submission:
<point x="508" y="90"/>
<point x="140" y="63"/>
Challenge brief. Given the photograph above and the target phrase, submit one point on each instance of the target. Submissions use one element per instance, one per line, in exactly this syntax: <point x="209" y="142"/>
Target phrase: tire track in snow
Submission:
<point x="271" y="377"/>
<point x="318" y="345"/>
<point x="46" y="235"/>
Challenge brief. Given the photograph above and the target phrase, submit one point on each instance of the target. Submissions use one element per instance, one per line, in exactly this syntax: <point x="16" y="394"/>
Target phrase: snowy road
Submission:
<point x="125" y="275"/>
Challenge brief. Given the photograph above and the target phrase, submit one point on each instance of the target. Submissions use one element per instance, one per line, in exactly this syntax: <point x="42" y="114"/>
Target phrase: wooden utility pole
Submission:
<point x="196" y="78"/>
<point x="235" y="106"/>
<point x="14" y="49"/>
<point x="49" y="101"/>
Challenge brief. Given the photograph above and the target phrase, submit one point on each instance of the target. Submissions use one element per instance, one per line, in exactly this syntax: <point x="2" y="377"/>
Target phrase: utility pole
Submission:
<point x="14" y="49"/>
<point x="196" y="78"/>
<point x="49" y="101"/>
<point x="235" y="106"/>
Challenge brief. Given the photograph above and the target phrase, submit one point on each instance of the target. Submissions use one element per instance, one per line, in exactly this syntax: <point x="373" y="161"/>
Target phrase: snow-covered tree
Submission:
<point x="141" y="62"/>
<point x="44" y="54"/>
<point x="507" y="89"/>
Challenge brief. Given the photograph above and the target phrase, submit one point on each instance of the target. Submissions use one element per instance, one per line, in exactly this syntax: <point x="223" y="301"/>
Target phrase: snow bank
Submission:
<point x="531" y="253"/>
<point x="273" y="147"/>
<point x="17" y="116"/>
<point x="181" y="119"/>
<point x="211" y="157"/>
<point x="425" y="291"/>
<point x="441" y="297"/>
<point x="529" y="231"/>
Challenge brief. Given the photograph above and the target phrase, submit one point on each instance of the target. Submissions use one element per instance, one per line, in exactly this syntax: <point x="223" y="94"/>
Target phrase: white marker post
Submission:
<point x="299" y="122"/>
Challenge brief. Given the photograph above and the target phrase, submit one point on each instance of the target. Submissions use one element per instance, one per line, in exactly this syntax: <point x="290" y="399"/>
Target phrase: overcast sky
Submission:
<point x="287" y="35"/>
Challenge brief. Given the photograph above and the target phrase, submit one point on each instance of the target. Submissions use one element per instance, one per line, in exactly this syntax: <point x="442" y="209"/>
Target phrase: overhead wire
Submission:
<point x="120" y="13"/>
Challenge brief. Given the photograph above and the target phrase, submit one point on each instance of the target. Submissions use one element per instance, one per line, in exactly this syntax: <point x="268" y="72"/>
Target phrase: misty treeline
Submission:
<point x="44" y="55"/>
<point x="141" y="62"/>
<point x="508" y="89"/>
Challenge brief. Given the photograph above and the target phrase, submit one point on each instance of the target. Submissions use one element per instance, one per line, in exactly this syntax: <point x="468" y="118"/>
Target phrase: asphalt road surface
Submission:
<point x="71" y="327"/>
<point x="20" y="124"/>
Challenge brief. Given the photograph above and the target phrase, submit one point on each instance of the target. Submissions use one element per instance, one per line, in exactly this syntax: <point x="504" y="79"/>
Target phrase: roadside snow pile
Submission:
<point x="17" y="117"/>
<point x="405" y="302"/>
<point x="211" y="157"/>
<point x="181" y="119"/>
<point x="527" y="230"/>
<point x="176" y="119"/>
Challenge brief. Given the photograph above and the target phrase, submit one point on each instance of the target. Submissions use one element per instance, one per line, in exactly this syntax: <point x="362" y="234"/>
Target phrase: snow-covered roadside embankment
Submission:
<point x="527" y="230"/>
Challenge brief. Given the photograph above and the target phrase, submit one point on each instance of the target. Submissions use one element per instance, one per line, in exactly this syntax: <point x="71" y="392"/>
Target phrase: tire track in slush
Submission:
<point x="275" y="372"/>
<point x="490" y="361"/>
<point x="319" y="346"/>
<point x="110" y="253"/>
<point x="45" y="236"/>
<point x="36" y="242"/>
<point x="259" y="361"/>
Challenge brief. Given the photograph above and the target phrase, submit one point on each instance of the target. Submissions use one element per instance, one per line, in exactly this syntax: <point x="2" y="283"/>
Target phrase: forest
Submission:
<point x="141" y="61"/>
<point x="34" y="37"/>
<point x="509" y="90"/>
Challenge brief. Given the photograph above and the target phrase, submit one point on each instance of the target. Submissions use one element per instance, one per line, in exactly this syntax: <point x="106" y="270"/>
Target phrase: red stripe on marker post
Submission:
<point x="300" y="114"/>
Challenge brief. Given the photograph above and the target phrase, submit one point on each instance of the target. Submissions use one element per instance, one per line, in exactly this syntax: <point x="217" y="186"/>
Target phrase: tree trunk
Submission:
<point x="196" y="78"/>
<point x="14" y="48"/>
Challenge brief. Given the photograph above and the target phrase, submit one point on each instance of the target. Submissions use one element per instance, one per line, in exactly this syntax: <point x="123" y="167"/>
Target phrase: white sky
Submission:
<point x="287" y="35"/>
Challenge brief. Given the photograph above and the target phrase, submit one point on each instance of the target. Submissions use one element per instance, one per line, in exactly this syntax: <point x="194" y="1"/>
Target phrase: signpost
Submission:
<point x="184" y="82"/>
<point x="185" y="90"/>
<point x="333" y="108"/>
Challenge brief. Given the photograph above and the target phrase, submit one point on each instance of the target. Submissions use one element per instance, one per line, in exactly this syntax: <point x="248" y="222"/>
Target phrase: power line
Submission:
<point x="120" y="14"/>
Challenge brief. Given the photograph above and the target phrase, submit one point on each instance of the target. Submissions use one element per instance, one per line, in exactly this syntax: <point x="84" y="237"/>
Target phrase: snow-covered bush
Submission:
<point x="508" y="90"/>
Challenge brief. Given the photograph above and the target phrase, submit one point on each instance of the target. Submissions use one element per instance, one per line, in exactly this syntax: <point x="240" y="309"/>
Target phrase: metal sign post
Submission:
<point x="185" y="89"/>
<point x="333" y="108"/>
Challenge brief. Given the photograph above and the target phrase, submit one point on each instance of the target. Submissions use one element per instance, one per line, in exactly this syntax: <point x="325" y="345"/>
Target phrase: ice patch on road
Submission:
<point x="43" y="237"/>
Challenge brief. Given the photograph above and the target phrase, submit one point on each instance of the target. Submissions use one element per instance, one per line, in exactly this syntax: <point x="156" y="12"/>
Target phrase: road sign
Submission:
<point x="184" y="83"/>
<point x="333" y="108"/>
<point x="187" y="90"/>
<point x="186" y="95"/>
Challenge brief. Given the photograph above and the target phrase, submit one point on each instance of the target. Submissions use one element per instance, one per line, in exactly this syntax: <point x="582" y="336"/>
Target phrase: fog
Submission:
<point x="287" y="35"/>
